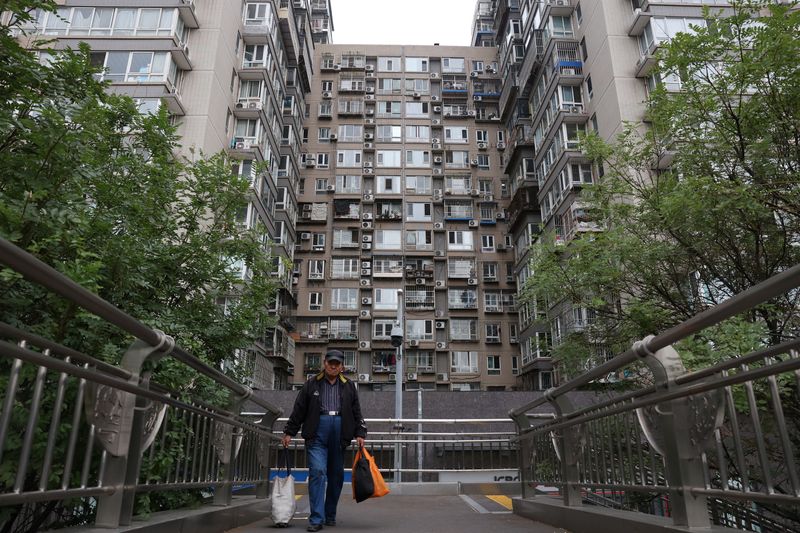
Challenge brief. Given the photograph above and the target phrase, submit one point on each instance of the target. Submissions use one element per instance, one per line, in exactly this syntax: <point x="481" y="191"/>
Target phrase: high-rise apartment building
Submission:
<point x="234" y="75"/>
<point x="430" y="169"/>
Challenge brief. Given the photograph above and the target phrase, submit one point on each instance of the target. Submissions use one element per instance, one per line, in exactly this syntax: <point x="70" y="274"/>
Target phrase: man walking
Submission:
<point x="328" y="409"/>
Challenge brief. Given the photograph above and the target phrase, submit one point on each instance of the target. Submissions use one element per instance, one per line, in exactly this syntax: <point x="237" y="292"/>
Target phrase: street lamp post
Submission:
<point x="398" y="332"/>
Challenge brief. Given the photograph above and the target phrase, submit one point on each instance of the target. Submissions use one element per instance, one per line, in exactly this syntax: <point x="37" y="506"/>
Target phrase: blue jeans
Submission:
<point x="325" y="463"/>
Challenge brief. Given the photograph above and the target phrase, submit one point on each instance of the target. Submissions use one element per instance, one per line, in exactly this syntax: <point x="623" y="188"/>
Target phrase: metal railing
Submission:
<point x="718" y="444"/>
<point x="435" y="450"/>
<point x="92" y="435"/>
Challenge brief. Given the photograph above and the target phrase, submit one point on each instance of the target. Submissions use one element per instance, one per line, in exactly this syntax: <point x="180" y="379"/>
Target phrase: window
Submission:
<point x="456" y="159"/>
<point x="389" y="158"/>
<point x="418" y="134"/>
<point x="326" y="85"/>
<point x="492" y="332"/>
<point x="483" y="161"/>
<point x="316" y="269"/>
<point x="345" y="238"/>
<point x="418" y="85"/>
<point x="418" y="158"/>
<point x="385" y="299"/>
<point x="343" y="329"/>
<point x="389" y="184"/>
<point x="514" y="365"/>
<point x="387" y="266"/>
<point x="458" y="184"/>
<point x="589" y="89"/>
<point x="389" y="64"/>
<point x="584" y="53"/>
<point x="456" y="135"/>
<point x="561" y="26"/>
<point x="348" y="184"/>
<point x="452" y="64"/>
<point x="315" y="301"/>
<point x="421" y="330"/>
<point x="463" y="329"/>
<point x="489" y="271"/>
<point x="493" y="365"/>
<point x="388" y="240"/>
<point x="416" y="109"/>
<point x="578" y="14"/>
<point x="390" y="86"/>
<point x="351" y="133"/>
<point x="348" y="158"/>
<point x="416" y="64"/>
<point x="382" y="329"/>
<point x="389" y="133"/>
<point x="418" y="184"/>
<point x="459" y="240"/>
<point x="345" y="268"/>
<point x="255" y="56"/>
<point x="418" y="212"/>
<point x="323" y="160"/>
<point x="464" y="362"/>
<point x="487" y="243"/>
<point x="342" y="299"/>
<point x="321" y="184"/>
<point x="419" y="240"/>
<point x="482" y="136"/>
<point x="141" y="67"/>
<point x="323" y="134"/>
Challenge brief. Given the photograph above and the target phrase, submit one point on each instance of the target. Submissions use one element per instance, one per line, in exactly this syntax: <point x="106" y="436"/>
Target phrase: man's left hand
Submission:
<point x="360" y="441"/>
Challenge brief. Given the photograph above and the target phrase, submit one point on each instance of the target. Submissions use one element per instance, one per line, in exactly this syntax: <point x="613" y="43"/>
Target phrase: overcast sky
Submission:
<point x="447" y="22"/>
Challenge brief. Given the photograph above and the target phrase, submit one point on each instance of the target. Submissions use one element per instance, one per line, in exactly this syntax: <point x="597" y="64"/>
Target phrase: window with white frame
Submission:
<point x="417" y="85"/>
<point x="390" y="109"/>
<point x="388" y="239"/>
<point x="420" y="330"/>
<point x="415" y="134"/>
<point x="343" y="329"/>
<point x="342" y="299"/>
<point x="492" y="332"/>
<point x="389" y="158"/>
<point x="464" y="362"/>
<point x="493" y="365"/>
<point x="315" y="301"/>
<point x="492" y="302"/>
<point x="255" y="56"/>
<point x="456" y="134"/>
<point x="348" y="184"/>
<point x="452" y="64"/>
<point x="323" y="160"/>
<point x="419" y="240"/>
<point x="462" y="299"/>
<point x="327" y="85"/>
<point x="351" y="106"/>
<point x="482" y="136"/>
<point x="345" y="238"/>
<point x="418" y="158"/>
<point x="489" y="271"/>
<point x="321" y="184"/>
<point x="351" y="133"/>
<point x="323" y="134"/>
<point x="458" y="184"/>
<point x="487" y="243"/>
<point x="390" y="86"/>
<point x="385" y="299"/>
<point x="459" y="240"/>
<point x="458" y="209"/>
<point x="318" y="241"/>
<point x="389" y="64"/>
<point x="387" y="133"/>
<point x="316" y="269"/>
<point x="456" y="159"/>
<point x="387" y="266"/>
<point x="483" y="161"/>
<point x="418" y="184"/>
<point x="389" y="184"/>
<point x="460" y="267"/>
<point x="345" y="268"/>
<point x="418" y="212"/>
<point x="419" y="361"/>
<point x="417" y="64"/>
<point x="348" y="158"/>
<point x="416" y="109"/>
<point x="382" y="329"/>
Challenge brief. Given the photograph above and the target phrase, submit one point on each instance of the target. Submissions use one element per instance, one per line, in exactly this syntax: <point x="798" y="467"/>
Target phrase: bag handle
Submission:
<point x="285" y="456"/>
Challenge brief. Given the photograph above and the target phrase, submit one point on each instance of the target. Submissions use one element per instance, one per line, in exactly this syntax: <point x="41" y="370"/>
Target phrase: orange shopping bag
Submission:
<point x="367" y="479"/>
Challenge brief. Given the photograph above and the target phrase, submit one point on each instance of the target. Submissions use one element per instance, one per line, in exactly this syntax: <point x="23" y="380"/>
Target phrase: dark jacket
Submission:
<point x="307" y="408"/>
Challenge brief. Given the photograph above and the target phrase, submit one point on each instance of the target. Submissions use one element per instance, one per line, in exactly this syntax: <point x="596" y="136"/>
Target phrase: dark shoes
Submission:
<point x="330" y="523"/>
<point x="314" y="527"/>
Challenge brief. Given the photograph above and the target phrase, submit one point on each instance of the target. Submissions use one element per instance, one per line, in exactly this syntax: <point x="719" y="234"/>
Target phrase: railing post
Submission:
<point x="264" y="454"/>
<point x="568" y="443"/>
<point x="679" y="429"/>
<point x="227" y="441"/>
<point x="125" y="428"/>
<point x="523" y="452"/>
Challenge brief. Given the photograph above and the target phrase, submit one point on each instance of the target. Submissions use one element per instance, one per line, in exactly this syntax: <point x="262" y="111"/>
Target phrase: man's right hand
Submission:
<point x="286" y="440"/>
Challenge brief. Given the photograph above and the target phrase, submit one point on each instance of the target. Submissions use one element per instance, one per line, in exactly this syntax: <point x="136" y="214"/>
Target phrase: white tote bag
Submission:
<point x="282" y="496"/>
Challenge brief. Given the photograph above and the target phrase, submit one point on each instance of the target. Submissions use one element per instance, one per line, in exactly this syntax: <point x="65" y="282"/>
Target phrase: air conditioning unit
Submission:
<point x="366" y="238"/>
<point x="369" y="121"/>
<point x="437" y="109"/>
<point x="441" y="345"/>
<point x="366" y="300"/>
<point x="473" y="223"/>
<point x="392" y="378"/>
<point x="411" y="376"/>
<point x="434" y="75"/>
<point x="436" y="121"/>
<point x="366" y="225"/>
<point x="365" y="283"/>
<point x="311" y="163"/>
<point x="364" y="313"/>
<point x="366" y="264"/>
<point x="369" y="98"/>
<point x="369" y="75"/>
<point x="370" y="90"/>
<point x="364" y="345"/>
<point x="366" y="272"/>
<point x="305" y="236"/>
<point x="331" y="188"/>
<point x="471" y="113"/>
<point x="442" y="376"/>
<point x="501" y="145"/>
<point x="477" y="98"/>
<point x="369" y="111"/>
<point x="500" y="216"/>
<point x="333" y="137"/>
<point x="440" y="324"/>
<point x="367" y="172"/>
<point x="438" y="253"/>
<point x="489" y="70"/>
<point x="438" y="226"/>
<point x="255" y="105"/>
<point x="501" y="247"/>
<point x="368" y="137"/>
<point x="413" y="342"/>
<point x="369" y="146"/>
<point x="435" y="98"/>
<point x="366" y="246"/>
<point x="472" y="281"/>
<point x="474" y="74"/>
<point x="363" y="378"/>
<point x="437" y="171"/>
<point x="366" y="216"/>
<point x="307" y="207"/>
<point x="575" y="109"/>
<point x="368" y="197"/>
<point x="474" y="162"/>
<point x="436" y="147"/>
<point x="448" y="114"/>
<point x="440" y="284"/>
<point x="474" y="192"/>
<point x="420" y="281"/>
<point x="437" y="160"/>
<point x="369" y="68"/>
<point x="417" y="95"/>
<point x="327" y="95"/>
<point x="482" y="146"/>
<point x="367" y="164"/>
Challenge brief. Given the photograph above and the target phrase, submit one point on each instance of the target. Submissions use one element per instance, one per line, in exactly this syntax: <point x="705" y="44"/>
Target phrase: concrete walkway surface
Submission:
<point x="417" y="514"/>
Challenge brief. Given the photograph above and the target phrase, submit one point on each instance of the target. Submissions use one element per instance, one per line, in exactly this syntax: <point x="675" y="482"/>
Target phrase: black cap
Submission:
<point x="334" y="355"/>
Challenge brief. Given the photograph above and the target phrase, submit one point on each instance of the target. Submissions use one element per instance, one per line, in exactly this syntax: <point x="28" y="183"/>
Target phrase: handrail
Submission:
<point x="751" y="297"/>
<point x="39" y="272"/>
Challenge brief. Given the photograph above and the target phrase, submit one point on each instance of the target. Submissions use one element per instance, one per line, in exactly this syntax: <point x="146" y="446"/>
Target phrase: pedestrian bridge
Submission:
<point x="94" y="445"/>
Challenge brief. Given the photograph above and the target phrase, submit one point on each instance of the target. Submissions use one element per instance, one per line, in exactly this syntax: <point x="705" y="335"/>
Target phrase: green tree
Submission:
<point x="95" y="189"/>
<point x="699" y="205"/>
